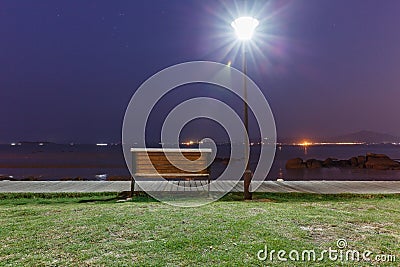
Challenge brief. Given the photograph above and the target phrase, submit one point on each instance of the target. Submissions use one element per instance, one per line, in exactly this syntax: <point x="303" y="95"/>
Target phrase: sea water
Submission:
<point x="91" y="162"/>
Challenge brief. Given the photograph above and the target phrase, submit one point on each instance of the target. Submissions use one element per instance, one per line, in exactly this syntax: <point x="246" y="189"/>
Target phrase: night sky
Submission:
<point x="69" y="68"/>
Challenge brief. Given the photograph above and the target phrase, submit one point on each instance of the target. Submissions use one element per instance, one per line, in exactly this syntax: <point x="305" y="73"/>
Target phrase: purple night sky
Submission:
<point x="69" y="68"/>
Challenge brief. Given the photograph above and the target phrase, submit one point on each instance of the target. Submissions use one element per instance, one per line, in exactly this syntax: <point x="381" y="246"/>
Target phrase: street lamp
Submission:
<point x="244" y="29"/>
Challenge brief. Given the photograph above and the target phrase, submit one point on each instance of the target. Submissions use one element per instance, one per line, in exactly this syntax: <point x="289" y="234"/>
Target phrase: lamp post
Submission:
<point x="244" y="29"/>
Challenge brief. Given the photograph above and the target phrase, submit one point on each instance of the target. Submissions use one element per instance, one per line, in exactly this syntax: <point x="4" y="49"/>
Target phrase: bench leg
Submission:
<point x="132" y="187"/>
<point x="209" y="181"/>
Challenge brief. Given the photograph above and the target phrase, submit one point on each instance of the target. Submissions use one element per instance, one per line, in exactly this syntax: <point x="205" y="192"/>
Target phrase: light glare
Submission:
<point x="244" y="27"/>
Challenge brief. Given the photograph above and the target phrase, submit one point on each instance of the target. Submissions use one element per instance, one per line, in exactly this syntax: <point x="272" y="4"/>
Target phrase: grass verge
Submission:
<point x="96" y="229"/>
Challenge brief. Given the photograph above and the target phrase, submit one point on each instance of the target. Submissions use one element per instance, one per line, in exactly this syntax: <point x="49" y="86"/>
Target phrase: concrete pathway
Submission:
<point x="321" y="187"/>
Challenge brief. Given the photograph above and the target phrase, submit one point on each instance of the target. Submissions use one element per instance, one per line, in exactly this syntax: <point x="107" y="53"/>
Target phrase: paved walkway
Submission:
<point x="321" y="187"/>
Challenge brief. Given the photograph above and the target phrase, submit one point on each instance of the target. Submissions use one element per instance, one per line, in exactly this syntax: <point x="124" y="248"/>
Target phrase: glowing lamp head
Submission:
<point x="244" y="27"/>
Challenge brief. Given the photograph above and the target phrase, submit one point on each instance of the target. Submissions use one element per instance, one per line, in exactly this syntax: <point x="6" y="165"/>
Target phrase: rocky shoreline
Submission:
<point x="369" y="161"/>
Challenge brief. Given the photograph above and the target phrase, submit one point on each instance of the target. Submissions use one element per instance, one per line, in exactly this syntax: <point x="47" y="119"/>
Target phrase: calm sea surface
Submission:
<point x="55" y="162"/>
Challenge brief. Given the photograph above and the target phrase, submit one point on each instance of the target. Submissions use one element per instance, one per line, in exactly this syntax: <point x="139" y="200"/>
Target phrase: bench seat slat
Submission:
<point x="167" y="163"/>
<point x="170" y="154"/>
<point x="171" y="174"/>
<point x="173" y="150"/>
<point x="143" y="160"/>
<point x="170" y="169"/>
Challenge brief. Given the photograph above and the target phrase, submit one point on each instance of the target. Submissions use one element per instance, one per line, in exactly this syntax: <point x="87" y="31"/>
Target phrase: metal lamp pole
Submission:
<point x="247" y="174"/>
<point x="244" y="29"/>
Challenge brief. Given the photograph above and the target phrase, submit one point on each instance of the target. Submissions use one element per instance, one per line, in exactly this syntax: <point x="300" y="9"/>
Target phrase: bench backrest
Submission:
<point x="153" y="162"/>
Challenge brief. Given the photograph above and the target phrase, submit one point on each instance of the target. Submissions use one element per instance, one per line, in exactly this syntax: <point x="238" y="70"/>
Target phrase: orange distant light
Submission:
<point x="305" y="143"/>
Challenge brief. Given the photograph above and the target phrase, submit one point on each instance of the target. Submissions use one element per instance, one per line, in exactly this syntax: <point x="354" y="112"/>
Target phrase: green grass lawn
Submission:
<point x="95" y="229"/>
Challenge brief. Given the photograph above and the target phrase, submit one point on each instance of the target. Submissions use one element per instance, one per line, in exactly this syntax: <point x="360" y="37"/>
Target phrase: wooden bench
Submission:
<point x="152" y="163"/>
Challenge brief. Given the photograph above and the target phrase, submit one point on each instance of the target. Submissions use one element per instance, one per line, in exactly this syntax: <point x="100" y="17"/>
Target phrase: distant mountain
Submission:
<point x="365" y="136"/>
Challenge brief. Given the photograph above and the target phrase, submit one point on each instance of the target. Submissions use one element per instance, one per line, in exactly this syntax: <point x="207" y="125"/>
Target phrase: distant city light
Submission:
<point x="101" y="144"/>
<point x="189" y="143"/>
<point x="13" y="144"/>
<point x="229" y="63"/>
<point x="305" y="143"/>
<point x="308" y="143"/>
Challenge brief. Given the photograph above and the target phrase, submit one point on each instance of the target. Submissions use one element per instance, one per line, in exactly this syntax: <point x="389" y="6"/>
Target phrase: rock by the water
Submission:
<point x="343" y="163"/>
<point x="314" y="164"/>
<point x="381" y="162"/>
<point x="373" y="155"/>
<point x="361" y="161"/>
<point x="296" y="163"/>
<point x="354" y="162"/>
<point x="328" y="163"/>
<point x="370" y="161"/>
